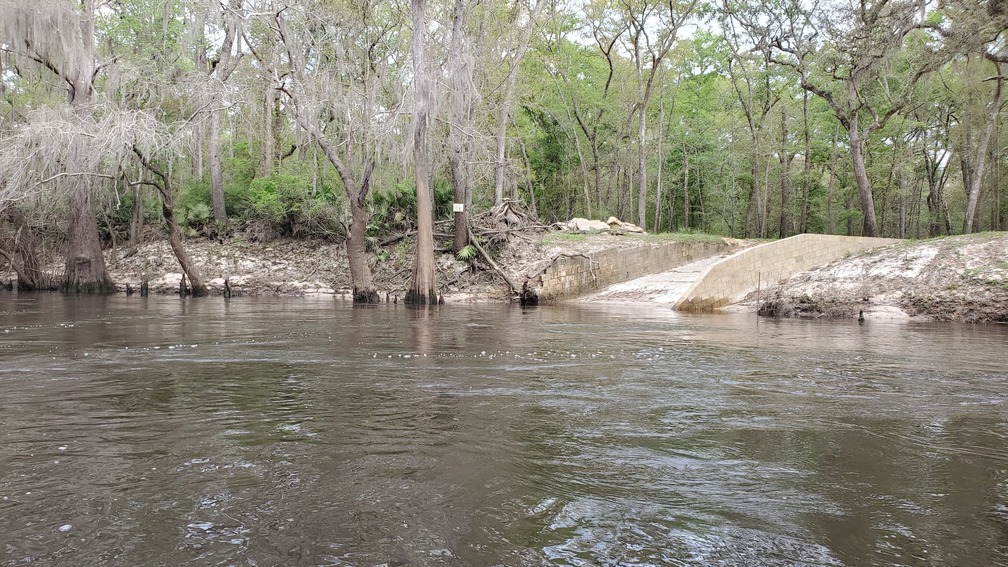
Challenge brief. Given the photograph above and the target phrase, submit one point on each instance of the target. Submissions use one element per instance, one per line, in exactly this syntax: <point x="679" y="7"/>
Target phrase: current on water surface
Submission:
<point x="159" y="431"/>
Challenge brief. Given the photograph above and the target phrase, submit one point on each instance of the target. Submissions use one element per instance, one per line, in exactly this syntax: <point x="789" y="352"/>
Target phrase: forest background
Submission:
<point x="332" y="119"/>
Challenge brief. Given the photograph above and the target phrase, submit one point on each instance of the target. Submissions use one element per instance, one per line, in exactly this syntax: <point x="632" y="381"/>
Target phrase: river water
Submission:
<point x="307" y="432"/>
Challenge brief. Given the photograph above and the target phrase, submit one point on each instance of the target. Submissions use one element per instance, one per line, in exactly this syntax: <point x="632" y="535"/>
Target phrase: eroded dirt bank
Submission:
<point x="315" y="267"/>
<point x="957" y="278"/>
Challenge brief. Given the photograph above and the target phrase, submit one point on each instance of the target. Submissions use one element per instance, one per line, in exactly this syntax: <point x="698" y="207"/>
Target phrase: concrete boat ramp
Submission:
<point x="665" y="288"/>
<point x="720" y="278"/>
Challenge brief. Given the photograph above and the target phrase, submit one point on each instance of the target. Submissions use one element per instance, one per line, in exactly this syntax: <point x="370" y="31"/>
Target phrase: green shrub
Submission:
<point x="392" y="210"/>
<point x="444" y="197"/>
<point x="195" y="218"/>
<point x="240" y="166"/>
<point x="287" y="203"/>
<point x="193" y="193"/>
<point x="193" y="208"/>
<point x="237" y="199"/>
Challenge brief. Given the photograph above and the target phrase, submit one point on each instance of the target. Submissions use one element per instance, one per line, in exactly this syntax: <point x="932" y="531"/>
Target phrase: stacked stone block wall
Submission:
<point x="765" y="265"/>
<point x="572" y="276"/>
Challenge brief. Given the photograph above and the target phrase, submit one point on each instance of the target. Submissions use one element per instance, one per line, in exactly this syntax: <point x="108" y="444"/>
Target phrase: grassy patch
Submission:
<point x="555" y="237"/>
<point x="683" y="237"/>
<point x="987" y="275"/>
<point x="564" y="237"/>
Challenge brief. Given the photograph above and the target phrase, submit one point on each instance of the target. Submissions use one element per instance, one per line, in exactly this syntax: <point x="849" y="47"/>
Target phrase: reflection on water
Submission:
<point x="307" y="432"/>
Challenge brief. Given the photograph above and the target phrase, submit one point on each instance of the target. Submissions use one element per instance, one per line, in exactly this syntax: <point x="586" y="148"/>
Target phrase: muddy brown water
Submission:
<point x="306" y="432"/>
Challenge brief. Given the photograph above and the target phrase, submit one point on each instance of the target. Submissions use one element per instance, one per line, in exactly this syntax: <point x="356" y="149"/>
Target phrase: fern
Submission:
<point x="467" y="253"/>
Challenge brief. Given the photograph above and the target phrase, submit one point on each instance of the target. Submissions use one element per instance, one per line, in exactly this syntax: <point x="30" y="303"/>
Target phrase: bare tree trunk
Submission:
<point x="216" y="169"/>
<point x="529" y="185"/>
<point x="642" y="163"/>
<point x="752" y="207"/>
<point x="199" y="288"/>
<point x="269" y="141"/>
<point x="831" y="220"/>
<point x="423" y="284"/>
<point x="197" y="151"/>
<point x="997" y="213"/>
<point x="602" y="205"/>
<point x="686" y="197"/>
<point x="500" y="165"/>
<point x="661" y="161"/>
<point x="903" y="199"/>
<point x="806" y="166"/>
<point x="764" y="220"/>
<point x="268" y="149"/>
<point x="460" y="119"/>
<point x="463" y="196"/>
<point x="137" y="218"/>
<point x="976" y="179"/>
<point x="220" y="69"/>
<point x="581" y="163"/>
<point x="785" y="226"/>
<point x="84" y="271"/>
<point x="939" y="222"/>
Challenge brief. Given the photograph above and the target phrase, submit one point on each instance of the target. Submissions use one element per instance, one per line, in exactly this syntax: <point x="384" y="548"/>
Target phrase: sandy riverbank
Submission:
<point x="960" y="278"/>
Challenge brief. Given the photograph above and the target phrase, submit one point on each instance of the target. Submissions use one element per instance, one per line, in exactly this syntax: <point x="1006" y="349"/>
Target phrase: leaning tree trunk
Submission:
<point x="21" y="250"/>
<point x="423" y="283"/>
<point x="975" y="180"/>
<point x="164" y="187"/>
<point x="863" y="185"/>
<point x="360" y="269"/>
<point x="199" y="288"/>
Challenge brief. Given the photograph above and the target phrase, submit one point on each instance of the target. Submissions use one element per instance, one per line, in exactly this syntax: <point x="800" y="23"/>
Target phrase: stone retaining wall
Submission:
<point x="733" y="278"/>
<point x="572" y="276"/>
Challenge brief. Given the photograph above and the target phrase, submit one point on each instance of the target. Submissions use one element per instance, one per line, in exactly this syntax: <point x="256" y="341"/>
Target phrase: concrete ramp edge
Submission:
<point x="765" y="265"/>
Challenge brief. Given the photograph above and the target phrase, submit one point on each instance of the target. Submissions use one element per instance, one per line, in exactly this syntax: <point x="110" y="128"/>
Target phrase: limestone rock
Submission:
<point x="619" y="226"/>
<point x="580" y="224"/>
